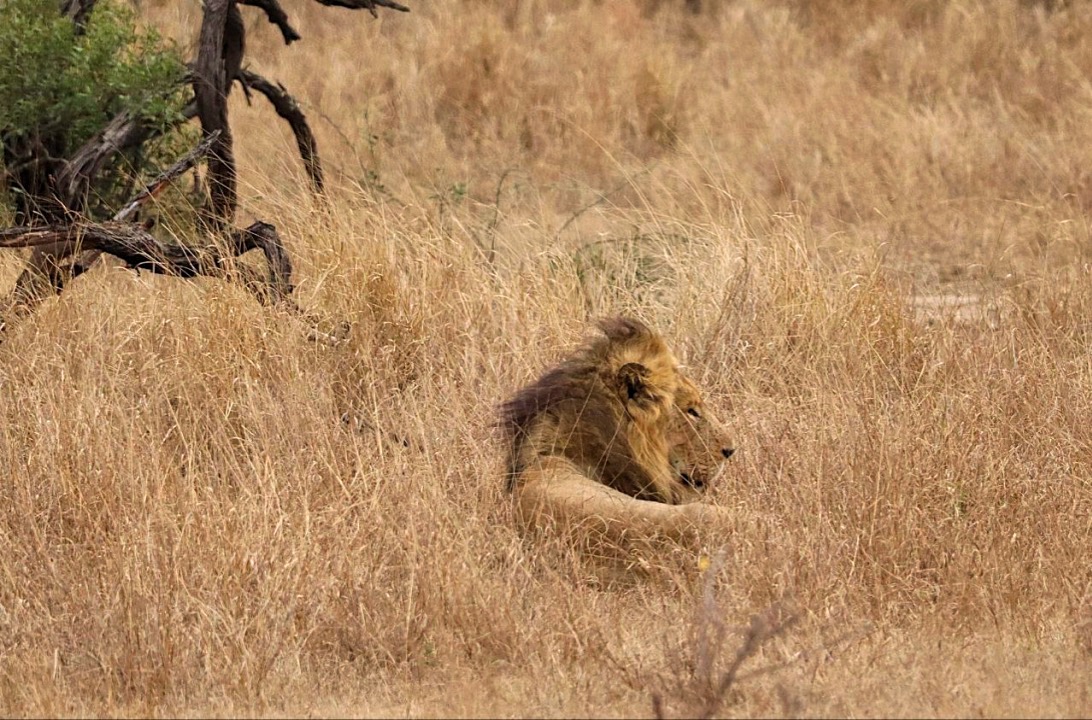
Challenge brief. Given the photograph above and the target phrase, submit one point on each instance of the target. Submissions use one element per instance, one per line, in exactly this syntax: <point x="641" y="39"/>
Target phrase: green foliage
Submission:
<point x="58" y="87"/>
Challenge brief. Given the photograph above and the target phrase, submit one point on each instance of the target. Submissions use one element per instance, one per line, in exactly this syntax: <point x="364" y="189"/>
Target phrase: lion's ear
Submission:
<point x="623" y="331"/>
<point x="633" y="382"/>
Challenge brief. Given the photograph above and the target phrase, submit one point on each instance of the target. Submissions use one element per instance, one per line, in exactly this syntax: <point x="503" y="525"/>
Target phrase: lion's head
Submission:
<point x="622" y="412"/>
<point x="698" y="441"/>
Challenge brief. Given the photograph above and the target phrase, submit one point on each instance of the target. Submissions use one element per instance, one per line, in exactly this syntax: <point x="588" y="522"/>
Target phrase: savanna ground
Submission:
<point x="864" y="225"/>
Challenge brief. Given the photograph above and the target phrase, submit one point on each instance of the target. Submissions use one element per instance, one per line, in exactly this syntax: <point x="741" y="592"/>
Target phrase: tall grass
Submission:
<point x="862" y="225"/>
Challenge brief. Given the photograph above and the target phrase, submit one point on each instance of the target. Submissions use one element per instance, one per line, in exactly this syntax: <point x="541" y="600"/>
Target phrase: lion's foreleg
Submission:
<point x="555" y="492"/>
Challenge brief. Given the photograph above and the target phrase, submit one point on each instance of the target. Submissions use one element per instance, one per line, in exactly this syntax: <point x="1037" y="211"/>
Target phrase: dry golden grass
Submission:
<point x="863" y="224"/>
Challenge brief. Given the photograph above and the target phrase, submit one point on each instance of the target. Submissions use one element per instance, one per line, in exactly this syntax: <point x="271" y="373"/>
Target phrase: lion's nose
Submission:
<point x="727" y="452"/>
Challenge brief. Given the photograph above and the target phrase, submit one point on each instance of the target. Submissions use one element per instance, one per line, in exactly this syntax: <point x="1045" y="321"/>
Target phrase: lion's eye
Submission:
<point x="693" y="412"/>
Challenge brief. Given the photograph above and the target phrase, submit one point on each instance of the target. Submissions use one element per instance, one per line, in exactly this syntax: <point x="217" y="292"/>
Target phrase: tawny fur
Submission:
<point x="614" y="437"/>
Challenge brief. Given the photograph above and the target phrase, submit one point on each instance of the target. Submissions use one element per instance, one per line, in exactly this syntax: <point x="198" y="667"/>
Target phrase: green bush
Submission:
<point x="58" y="87"/>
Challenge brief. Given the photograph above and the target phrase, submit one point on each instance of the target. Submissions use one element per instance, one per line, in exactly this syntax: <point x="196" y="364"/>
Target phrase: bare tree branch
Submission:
<point x="165" y="178"/>
<point x="45" y="270"/>
<point x="140" y="250"/>
<point x="277" y="16"/>
<point x="74" y="181"/>
<point x="122" y="133"/>
<point x="287" y="107"/>
<point x="369" y="5"/>
<point x="48" y="269"/>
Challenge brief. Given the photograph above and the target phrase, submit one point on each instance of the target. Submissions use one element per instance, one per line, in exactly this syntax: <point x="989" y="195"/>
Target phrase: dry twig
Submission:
<point x="706" y="687"/>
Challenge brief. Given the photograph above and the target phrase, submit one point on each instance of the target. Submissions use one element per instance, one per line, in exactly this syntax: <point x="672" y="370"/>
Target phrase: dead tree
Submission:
<point x="84" y="241"/>
<point x="65" y="242"/>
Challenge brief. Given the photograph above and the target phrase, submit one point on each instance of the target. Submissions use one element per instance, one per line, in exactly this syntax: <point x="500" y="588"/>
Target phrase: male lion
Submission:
<point x="615" y="439"/>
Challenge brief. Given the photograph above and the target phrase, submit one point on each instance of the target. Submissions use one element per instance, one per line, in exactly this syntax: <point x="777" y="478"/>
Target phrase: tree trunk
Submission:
<point x="219" y="56"/>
